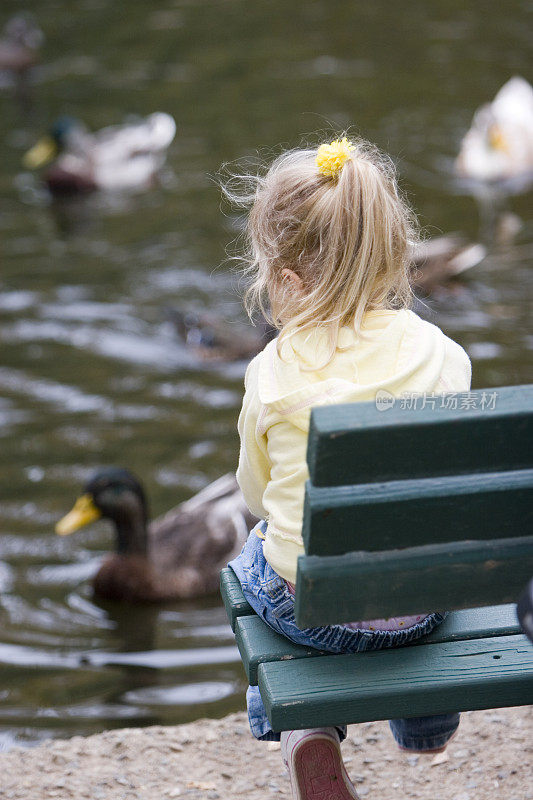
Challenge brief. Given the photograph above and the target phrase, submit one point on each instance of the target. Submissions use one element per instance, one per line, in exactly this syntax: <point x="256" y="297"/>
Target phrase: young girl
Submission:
<point x="329" y="248"/>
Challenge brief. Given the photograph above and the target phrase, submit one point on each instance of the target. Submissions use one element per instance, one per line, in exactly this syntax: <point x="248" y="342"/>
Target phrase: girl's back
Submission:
<point x="329" y="241"/>
<point x="395" y="351"/>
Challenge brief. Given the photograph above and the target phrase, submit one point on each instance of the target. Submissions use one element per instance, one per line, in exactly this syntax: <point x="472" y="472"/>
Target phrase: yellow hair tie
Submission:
<point x="330" y="158"/>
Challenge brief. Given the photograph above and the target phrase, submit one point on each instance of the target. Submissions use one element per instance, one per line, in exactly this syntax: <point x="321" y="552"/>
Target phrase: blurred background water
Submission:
<point x="92" y="371"/>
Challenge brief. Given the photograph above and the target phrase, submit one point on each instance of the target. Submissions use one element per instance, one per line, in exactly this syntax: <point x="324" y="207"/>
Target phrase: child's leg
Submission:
<point x="312" y="757"/>
<point x="424" y="734"/>
<point x="316" y="769"/>
<point x="257" y="717"/>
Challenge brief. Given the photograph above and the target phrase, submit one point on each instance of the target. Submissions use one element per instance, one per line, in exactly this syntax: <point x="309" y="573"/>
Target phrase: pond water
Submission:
<point x="92" y="371"/>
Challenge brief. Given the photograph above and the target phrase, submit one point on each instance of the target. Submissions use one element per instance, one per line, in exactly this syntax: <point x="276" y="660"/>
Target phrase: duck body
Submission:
<point x="19" y="45"/>
<point x="210" y="339"/>
<point x="177" y="556"/>
<point x="119" y="158"/>
<point x="438" y="261"/>
<point x="499" y="144"/>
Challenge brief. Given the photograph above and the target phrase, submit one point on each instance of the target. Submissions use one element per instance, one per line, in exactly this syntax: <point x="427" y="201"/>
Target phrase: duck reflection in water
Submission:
<point x="20" y="45"/>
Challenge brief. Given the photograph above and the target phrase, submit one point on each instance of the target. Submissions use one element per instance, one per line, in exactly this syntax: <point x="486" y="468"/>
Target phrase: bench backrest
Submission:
<point x="417" y="504"/>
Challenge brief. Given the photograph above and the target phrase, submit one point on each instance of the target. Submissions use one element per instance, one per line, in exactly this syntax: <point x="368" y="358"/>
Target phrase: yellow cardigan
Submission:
<point x="397" y="352"/>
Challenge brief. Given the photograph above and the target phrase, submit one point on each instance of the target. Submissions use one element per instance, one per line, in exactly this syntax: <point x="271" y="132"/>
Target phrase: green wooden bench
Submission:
<point x="407" y="510"/>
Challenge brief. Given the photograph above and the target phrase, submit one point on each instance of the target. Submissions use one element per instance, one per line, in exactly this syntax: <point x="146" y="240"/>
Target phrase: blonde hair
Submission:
<point x="347" y="237"/>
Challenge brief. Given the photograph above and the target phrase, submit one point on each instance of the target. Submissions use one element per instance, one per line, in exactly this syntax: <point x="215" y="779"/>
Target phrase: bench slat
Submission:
<point x="390" y="684"/>
<point x="259" y="644"/>
<point x="410" y="581"/>
<point x="233" y="597"/>
<point x="476" y="623"/>
<point x="356" y="443"/>
<point x="381" y="515"/>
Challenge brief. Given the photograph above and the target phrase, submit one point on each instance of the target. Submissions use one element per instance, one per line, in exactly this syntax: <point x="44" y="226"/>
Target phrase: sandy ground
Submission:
<point x="490" y="758"/>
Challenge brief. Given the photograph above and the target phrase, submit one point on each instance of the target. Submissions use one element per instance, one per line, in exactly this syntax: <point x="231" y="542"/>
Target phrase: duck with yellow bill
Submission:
<point x="498" y="147"/>
<point x="119" y="158"/>
<point x="178" y="555"/>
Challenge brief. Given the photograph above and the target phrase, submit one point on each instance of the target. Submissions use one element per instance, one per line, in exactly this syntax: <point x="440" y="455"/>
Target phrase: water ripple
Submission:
<point x="17" y="300"/>
<point x="159" y="352"/>
<point x="63" y="574"/>
<point x="72" y="399"/>
<point x="184" y="694"/>
<point x="164" y="659"/>
<point x="66" y="397"/>
<point x="38" y="658"/>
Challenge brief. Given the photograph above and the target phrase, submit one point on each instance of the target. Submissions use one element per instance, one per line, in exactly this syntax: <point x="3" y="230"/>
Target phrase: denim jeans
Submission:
<point x="270" y="598"/>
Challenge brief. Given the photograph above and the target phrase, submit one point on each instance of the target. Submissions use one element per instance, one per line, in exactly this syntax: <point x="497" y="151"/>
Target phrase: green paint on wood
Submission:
<point x="406" y="682"/>
<point x="360" y="585"/>
<point x="258" y="643"/>
<point x="356" y="443"/>
<point x="234" y="601"/>
<point x="475" y="623"/>
<point x="382" y="516"/>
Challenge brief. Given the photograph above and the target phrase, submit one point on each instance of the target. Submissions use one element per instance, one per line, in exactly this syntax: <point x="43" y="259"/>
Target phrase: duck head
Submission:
<point x="113" y="494"/>
<point x="55" y="142"/>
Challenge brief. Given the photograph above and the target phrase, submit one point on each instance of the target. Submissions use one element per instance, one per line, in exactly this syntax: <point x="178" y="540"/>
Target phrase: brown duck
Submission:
<point x="178" y="555"/>
<point x="212" y="339"/>
<point x="441" y="260"/>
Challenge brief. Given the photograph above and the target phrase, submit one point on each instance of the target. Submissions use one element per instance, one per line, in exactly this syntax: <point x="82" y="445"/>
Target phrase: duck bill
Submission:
<point x="497" y="139"/>
<point x="40" y="154"/>
<point x="83" y="512"/>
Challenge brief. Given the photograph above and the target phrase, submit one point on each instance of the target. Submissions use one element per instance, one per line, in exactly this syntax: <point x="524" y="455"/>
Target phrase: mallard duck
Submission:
<point x="116" y="159"/>
<point x="499" y="145"/>
<point x="438" y="261"/>
<point x="176" y="556"/>
<point x="211" y="339"/>
<point x="20" y="43"/>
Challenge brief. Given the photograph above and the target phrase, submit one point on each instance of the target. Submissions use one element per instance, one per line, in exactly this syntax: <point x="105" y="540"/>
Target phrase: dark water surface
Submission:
<point x="92" y="372"/>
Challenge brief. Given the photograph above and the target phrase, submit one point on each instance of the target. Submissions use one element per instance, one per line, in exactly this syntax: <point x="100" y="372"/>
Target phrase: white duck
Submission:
<point x="498" y="148"/>
<point x="120" y="158"/>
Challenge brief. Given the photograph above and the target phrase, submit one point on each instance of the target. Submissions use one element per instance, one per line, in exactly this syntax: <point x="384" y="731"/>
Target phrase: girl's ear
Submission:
<point x="290" y="278"/>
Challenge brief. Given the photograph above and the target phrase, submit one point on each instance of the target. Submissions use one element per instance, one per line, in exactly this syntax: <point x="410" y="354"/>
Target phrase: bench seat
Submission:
<point x="258" y="643"/>
<point x="402" y="682"/>
<point x="477" y="658"/>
